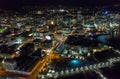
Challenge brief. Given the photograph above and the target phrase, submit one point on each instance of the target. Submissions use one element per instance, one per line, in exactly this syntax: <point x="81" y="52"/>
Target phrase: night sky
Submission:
<point x="20" y="3"/>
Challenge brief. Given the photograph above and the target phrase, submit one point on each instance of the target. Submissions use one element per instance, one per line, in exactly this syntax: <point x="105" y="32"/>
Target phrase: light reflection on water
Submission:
<point x="103" y="38"/>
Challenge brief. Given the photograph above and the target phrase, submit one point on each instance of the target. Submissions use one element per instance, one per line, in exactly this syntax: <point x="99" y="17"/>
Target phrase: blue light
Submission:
<point x="105" y="12"/>
<point x="76" y="62"/>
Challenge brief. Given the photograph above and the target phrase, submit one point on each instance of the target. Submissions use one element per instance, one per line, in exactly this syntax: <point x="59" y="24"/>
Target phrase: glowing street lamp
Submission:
<point x="52" y="22"/>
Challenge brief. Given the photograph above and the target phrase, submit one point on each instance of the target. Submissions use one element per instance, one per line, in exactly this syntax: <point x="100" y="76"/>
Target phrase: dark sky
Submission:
<point x="19" y="3"/>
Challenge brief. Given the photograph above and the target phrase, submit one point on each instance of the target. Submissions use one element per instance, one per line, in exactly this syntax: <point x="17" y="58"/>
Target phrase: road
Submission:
<point x="44" y="63"/>
<point x="10" y="74"/>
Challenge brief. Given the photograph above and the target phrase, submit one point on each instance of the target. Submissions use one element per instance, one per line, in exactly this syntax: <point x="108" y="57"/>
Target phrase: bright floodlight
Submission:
<point x="48" y="38"/>
<point x="76" y="62"/>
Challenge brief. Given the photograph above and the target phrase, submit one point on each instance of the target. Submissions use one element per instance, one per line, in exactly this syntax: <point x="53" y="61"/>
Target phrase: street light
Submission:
<point x="52" y="22"/>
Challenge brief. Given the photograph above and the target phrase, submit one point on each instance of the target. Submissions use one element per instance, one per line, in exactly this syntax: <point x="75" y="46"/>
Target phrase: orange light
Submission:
<point x="52" y="22"/>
